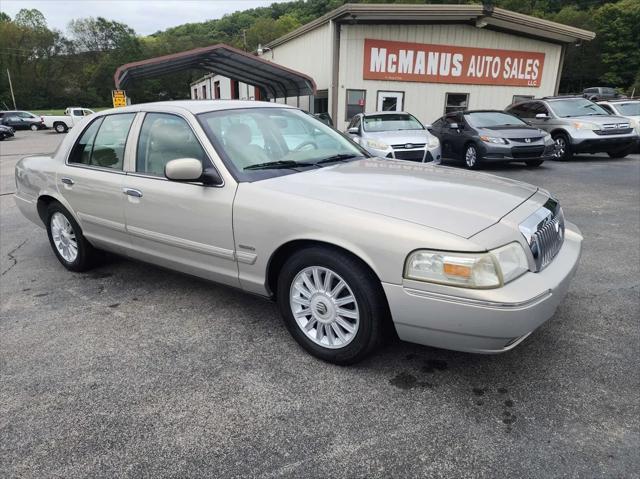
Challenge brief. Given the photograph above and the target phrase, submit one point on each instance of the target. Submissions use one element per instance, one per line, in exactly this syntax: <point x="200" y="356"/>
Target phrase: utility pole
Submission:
<point x="11" y="88"/>
<point x="244" y="38"/>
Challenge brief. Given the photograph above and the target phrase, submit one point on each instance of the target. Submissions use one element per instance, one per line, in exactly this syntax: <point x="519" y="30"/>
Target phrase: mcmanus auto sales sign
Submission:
<point x="417" y="62"/>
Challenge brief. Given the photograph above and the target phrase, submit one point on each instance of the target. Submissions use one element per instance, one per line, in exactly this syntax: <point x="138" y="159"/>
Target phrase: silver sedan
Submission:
<point x="265" y="198"/>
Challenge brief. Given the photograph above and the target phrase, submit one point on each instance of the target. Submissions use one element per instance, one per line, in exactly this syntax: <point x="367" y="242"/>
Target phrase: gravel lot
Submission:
<point x="134" y="371"/>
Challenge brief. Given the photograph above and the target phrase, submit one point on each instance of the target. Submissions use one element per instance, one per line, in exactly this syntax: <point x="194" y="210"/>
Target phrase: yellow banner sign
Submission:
<point x="119" y="98"/>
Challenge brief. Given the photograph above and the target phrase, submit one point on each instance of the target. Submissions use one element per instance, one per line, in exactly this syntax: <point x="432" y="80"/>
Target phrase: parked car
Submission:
<point x="324" y="118"/>
<point x="21" y="120"/>
<point x="5" y="132"/>
<point x="600" y="93"/>
<point x="62" y="123"/>
<point x="578" y="125"/>
<point x="627" y="108"/>
<point x="478" y="136"/>
<point x="348" y="245"/>
<point x="396" y="135"/>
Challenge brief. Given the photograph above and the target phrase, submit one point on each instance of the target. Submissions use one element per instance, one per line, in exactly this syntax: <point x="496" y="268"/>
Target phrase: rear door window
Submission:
<point x="102" y="144"/>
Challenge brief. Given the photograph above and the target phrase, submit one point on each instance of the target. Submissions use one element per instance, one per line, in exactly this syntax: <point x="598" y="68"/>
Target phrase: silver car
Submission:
<point x="578" y="125"/>
<point x="351" y="247"/>
<point x="396" y="135"/>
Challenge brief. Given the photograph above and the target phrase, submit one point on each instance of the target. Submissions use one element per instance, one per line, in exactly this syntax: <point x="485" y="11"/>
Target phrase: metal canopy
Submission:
<point x="274" y="80"/>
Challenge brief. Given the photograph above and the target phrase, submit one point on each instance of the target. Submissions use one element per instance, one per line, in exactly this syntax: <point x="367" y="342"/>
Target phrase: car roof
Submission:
<point x="195" y="106"/>
<point x="386" y="113"/>
<point x="482" y="111"/>
<point x="620" y="100"/>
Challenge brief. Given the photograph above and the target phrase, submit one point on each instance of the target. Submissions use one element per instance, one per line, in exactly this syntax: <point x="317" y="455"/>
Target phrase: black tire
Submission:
<point x="533" y="163"/>
<point x="620" y="152"/>
<point x="366" y="288"/>
<point x="87" y="254"/>
<point x="563" y="147"/>
<point x="60" y="127"/>
<point x="34" y="127"/>
<point x="471" y="149"/>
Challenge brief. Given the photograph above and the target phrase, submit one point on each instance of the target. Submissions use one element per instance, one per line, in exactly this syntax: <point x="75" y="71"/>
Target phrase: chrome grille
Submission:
<point x="408" y="146"/>
<point x="524" y="140"/>
<point x="544" y="231"/>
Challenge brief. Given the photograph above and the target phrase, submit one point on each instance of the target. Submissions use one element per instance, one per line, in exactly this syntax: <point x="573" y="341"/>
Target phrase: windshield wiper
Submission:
<point x="272" y="165"/>
<point x="338" y="157"/>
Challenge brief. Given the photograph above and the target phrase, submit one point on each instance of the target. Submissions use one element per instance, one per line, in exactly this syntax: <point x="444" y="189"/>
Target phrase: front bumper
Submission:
<point x="493" y="321"/>
<point x="419" y="155"/>
<point x="593" y="143"/>
<point x="519" y="152"/>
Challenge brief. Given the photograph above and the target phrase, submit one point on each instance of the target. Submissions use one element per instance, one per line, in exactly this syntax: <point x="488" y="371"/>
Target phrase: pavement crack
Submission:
<point x="11" y="256"/>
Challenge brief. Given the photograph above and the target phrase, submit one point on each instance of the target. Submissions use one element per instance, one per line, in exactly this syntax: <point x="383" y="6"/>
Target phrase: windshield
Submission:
<point x="257" y="143"/>
<point x="391" y="122"/>
<point x="483" y="119"/>
<point x="629" y="109"/>
<point x="576" y="107"/>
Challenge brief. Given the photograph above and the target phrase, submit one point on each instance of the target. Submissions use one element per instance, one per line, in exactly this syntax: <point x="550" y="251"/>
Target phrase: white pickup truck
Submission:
<point x="62" y="123"/>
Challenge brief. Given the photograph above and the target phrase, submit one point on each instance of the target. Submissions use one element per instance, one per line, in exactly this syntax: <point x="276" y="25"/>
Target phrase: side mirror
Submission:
<point x="353" y="131"/>
<point x="454" y="126"/>
<point x="542" y="116"/>
<point x="190" y="169"/>
<point x="429" y="126"/>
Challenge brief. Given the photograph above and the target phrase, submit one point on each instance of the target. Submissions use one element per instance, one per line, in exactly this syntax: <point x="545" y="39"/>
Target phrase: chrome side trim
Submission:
<point x="114" y="225"/>
<point x="480" y="302"/>
<point x="247" y="258"/>
<point x="182" y="243"/>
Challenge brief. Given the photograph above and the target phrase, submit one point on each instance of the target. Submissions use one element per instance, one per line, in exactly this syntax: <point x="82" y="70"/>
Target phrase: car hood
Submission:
<point x="599" y="119"/>
<point x="509" y="131"/>
<point x="448" y="199"/>
<point x="399" y="137"/>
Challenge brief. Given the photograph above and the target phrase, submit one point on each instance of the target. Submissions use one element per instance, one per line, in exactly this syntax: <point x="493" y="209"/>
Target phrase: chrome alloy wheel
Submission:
<point x="64" y="237"/>
<point x="561" y="147"/>
<point x="324" y="307"/>
<point x="470" y="156"/>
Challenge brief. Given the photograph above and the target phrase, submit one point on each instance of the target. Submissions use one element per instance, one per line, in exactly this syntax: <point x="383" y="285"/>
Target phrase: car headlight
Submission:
<point x="493" y="139"/>
<point x="468" y="270"/>
<point x="583" y="125"/>
<point x="433" y="141"/>
<point x="378" y="145"/>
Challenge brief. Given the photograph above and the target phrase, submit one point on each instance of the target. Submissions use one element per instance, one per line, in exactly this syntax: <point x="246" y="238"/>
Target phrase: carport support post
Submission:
<point x="312" y="106"/>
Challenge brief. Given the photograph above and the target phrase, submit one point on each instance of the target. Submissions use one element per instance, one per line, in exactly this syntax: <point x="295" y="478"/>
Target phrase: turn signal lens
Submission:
<point x="451" y="269"/>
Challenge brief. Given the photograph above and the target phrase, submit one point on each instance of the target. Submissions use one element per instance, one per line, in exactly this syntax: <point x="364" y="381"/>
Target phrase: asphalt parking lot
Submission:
<point x="134" y="371"/>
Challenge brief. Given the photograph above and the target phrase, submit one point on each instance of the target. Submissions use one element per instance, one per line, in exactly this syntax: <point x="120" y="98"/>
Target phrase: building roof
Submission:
<point x="275" y="80"/>
<point x="479" y="15"/>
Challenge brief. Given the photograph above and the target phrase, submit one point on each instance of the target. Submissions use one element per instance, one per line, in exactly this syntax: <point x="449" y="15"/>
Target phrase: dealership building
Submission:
<point x="424" y="59"/>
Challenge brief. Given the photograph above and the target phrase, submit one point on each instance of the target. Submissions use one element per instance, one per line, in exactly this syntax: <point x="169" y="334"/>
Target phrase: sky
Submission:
<point x="144" y="16"/>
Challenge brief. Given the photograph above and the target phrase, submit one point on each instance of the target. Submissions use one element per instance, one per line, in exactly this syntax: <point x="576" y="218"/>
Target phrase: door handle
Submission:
<point x="67" y="181"/>
<point x="132" y="192"/>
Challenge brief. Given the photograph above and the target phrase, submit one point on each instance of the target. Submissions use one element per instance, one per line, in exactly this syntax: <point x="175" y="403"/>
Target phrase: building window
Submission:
<point x="519" y="98"/>
<point x="456" y="102"/>
<point x="216" y="90"/>
<point x="195" y="93"/>
<point x="356" y="100"/>
<point x="204" y="92"/>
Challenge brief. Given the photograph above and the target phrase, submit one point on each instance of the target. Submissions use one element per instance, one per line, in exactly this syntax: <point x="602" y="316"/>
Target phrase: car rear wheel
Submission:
<point x="471" y="157"/>
<point x="33" y="127"/>
<point x="563" y="147"/>
<point x="66" y="238"/>
<point x="534" y="163"/>
<point x="60" y="127"/>
<point x="332" y="304"/>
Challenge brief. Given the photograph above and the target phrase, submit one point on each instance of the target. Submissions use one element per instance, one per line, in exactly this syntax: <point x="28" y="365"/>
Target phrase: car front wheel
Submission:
<point x="471" y="157"/>
<point x="67" y="241"/>
<point x="34" y="127"/>
<point x="332" y="304"/>
<point x="563" y="147"/>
